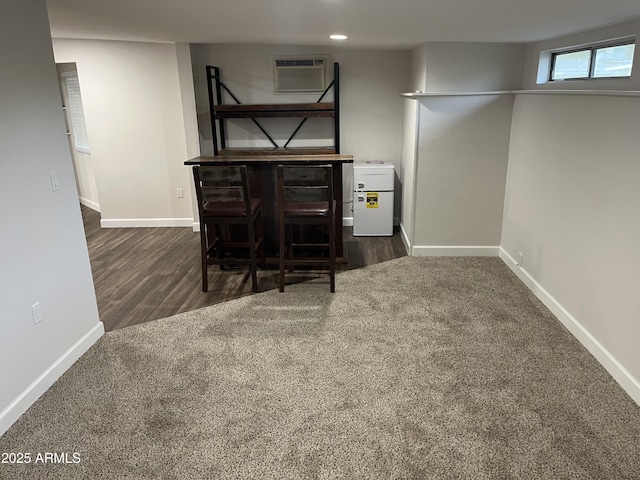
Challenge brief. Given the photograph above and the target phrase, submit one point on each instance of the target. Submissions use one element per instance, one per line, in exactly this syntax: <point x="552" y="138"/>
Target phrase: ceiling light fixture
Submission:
<point x="338" y="37"/>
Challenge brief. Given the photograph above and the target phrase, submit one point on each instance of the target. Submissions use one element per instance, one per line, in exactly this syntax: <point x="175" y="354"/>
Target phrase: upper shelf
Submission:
<point x="616" y="93"/>
<point x="261" y="151"/>
<point x="452" y="94"/>
<point x="613" y="93"/>
<point x="325" y="109"/>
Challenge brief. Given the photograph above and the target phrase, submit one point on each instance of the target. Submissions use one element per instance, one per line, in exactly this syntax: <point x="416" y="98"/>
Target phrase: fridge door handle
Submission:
<point x="360" y="184"/>
<point x="361" y="198"/>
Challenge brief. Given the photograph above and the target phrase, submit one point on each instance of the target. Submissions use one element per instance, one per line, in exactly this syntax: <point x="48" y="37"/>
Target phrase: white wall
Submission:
<point x="473" y="67"/>
<point x="571" y="204"/>
<point x="455" y="158"/>
<point x="466" y="67"/>
<point x="406" y="171"/>
<point x="187" y="93"/>
<point x="410" y="139"/>
<point x="43" y="251"/>
<point x="463" y="145"/>
<point x="86" y="180"/>
<point x="571" y="209"/>
<point x="371" y="112"/>
<point x="133" y="100"/>
<point x="419" y="68"/>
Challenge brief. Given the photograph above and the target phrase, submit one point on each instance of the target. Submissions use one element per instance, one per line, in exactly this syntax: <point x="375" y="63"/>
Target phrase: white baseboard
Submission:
<point x="454" y="251"/>
<point x="145" y="222"/>
<point x="88" y="203"/>
<point x="405" y="239"/>
<point x="34" y="391"/>
<point x="624" y="378"/>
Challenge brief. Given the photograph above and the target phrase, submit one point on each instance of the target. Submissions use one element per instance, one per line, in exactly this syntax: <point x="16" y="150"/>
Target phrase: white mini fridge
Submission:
<point x="373" y="184"/>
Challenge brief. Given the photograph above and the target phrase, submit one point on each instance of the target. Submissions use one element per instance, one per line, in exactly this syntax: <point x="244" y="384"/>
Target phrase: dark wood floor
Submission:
<point x="143" y="274"/>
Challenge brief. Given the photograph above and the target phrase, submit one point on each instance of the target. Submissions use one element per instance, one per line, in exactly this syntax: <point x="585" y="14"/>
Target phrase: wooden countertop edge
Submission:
<point x="246" y="159"/>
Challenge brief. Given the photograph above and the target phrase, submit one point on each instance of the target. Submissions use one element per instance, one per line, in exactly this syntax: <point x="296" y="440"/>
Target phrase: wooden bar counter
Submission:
<point x="263" y="168"/>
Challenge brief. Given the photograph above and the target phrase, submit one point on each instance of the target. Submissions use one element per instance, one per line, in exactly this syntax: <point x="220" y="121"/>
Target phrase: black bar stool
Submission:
<point x="224" y="199"/>
<point x="305" y="197"/>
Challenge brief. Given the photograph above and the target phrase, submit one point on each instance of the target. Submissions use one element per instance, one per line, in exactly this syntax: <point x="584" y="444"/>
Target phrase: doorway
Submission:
<point x="77" y="135"/>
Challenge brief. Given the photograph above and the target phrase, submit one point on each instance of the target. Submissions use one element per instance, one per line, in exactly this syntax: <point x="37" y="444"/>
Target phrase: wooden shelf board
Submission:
<point x="324" y="109"/>
<point x="541" y="91"/>
<point x="230" y="152"/>
<point x="453" y="94"/>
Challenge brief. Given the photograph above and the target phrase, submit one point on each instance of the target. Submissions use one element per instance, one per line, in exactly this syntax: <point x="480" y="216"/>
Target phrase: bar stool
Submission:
<point x="224" y="199"/>
<point x="305" y="197"/>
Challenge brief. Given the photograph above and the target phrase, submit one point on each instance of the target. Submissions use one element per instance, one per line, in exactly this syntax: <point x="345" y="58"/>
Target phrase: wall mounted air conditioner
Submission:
<point x="299" y="74"/>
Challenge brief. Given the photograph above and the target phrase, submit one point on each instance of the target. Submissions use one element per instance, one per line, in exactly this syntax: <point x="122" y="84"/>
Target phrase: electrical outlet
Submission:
<point x="519" y="260"/>
<point x="180" y="193"/>
<point x="36" y="313"/>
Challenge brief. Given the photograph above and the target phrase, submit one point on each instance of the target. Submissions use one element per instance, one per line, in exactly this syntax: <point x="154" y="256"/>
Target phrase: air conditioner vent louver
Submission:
<point x="299" y="75"/>
<point x="298" y="62"/>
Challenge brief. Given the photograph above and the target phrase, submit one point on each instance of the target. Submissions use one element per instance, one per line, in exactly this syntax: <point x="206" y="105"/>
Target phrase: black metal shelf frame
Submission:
<point x="215" y="87"/>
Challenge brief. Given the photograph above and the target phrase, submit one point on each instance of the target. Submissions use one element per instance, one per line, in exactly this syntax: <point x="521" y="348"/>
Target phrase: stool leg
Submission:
<point x="263" y="255"/>
<point x="219" y="232"/>
<point x="203" y="254"/>
<point x="290" y="249"/>
<point x="252" y="255"/>
<point x="282" y="253"/>
<point x="332" y="256"/>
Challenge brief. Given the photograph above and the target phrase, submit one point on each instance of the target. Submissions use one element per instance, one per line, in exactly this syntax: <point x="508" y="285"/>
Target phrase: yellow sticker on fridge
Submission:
<point x="372" y="199"/>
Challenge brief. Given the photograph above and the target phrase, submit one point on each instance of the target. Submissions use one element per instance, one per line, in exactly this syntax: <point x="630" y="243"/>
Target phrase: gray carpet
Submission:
<point x="425" y="368"/>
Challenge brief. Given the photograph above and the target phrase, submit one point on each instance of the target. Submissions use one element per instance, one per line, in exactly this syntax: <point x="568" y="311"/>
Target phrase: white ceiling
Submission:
<point x="388" y="24"/>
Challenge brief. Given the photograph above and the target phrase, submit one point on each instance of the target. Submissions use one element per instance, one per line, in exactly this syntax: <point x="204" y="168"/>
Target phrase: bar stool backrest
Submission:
<point x="221" y="184"/>
<point x="306" y="183"/>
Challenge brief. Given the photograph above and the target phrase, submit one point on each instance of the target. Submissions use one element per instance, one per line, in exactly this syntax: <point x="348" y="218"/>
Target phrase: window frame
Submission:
<point x="593" y="49"/>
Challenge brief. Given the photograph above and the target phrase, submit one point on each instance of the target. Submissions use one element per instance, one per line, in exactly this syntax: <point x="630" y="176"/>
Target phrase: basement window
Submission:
<point x="594" y="61"/>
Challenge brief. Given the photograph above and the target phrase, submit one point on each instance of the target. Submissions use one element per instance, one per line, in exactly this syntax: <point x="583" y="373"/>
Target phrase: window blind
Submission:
<point x="76" y="113"/>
